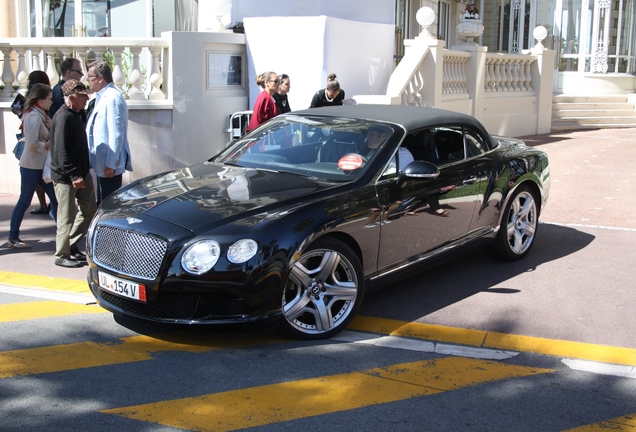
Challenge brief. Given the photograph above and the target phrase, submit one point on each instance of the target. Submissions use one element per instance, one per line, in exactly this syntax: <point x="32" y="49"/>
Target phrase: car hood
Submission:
<point x="205" y="195"/>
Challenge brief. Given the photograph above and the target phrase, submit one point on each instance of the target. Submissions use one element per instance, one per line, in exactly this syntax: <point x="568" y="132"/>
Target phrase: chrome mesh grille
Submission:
<point x="128" y="252"/>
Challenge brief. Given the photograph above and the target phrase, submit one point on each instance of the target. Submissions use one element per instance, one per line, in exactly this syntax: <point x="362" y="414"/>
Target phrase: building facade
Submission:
<point x="595" y="40"/>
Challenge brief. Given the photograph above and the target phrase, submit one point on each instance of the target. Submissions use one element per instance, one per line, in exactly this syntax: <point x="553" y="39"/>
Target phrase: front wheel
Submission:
<point x="323" y="292"/>
<point x="518" y="226"/>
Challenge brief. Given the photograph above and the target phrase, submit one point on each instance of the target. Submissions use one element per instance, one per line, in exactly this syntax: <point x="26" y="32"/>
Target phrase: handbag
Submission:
<point x="46" y="170"/>
<point x="19" y="146"/>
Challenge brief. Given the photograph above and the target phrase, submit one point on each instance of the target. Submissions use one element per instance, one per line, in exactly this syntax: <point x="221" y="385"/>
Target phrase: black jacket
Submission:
<point x="69" y="146"/>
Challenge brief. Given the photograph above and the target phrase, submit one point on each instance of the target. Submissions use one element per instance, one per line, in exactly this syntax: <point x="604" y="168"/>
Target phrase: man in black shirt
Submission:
<point x="70" y="68"/>
<point x="70" y="171"/>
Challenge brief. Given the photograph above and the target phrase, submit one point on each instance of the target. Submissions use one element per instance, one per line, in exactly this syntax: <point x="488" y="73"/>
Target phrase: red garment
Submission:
<point x="264" y="109"/>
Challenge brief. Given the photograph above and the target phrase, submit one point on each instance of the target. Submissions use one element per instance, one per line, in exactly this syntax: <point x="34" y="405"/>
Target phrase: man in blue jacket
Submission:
<point x="107" y="131"/>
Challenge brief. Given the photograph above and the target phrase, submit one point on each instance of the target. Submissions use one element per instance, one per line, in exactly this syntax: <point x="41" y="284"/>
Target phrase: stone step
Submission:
<point x="586" y="113"/>
<point x="585" y="99"/>
<point x="617" y="119"/>
<point x="573" y="126"/>
<point x="591" y="106"/>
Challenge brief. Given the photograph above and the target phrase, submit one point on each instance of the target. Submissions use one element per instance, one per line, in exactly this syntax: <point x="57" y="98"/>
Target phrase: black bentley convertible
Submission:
<point x="294" y="221"/>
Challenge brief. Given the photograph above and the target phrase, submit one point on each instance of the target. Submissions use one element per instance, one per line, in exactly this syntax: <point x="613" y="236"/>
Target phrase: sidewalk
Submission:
<point x="593" y="185"/>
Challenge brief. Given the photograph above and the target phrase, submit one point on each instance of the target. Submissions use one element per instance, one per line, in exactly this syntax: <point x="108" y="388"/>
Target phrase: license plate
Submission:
<point x="122" y="287"/>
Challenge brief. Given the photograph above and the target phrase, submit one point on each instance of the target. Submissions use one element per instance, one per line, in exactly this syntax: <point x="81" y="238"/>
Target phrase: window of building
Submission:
<point x="70" y="18"/>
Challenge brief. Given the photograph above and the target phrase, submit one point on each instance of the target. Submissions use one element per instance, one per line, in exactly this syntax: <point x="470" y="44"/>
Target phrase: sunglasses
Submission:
<point x="78" y="71"/>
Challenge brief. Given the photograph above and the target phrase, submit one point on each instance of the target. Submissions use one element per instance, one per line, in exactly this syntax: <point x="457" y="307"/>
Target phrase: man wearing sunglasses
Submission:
<point x="70" y="68"/>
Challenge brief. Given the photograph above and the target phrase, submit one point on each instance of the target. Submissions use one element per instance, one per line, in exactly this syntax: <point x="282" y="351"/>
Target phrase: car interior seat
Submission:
<point x="338" y="145"/>
<point x="421" y="146"/>
<point x="449" y="146"/>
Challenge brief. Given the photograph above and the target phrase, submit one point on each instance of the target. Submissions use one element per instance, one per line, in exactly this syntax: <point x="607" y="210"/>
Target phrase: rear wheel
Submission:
<point x="518" y="226"/>
<point x="323" y="292"/>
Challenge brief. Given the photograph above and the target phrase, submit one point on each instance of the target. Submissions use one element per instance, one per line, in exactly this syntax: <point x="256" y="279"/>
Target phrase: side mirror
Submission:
<point x="421" y="169"/>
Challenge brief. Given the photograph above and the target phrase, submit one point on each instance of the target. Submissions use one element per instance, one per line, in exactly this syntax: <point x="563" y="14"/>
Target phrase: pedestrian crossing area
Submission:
<point x="308" y="379"/>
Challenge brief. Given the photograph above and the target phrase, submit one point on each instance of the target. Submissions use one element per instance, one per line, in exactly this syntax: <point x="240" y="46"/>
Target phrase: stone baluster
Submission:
<point x="528" y="75"/>
<point x="488" y="76"/>
<point x="22" y="74"/>
<point x="51" y="70"/>
<point x="522" y="76"/>
<point x="155" y="77"/>
<point x="462" y="75"/>
<point x="455" y="75"/>
<point x="35" y="59"/>
<point x="507" y="82"/>
<point x="498" y="66"/>
<point x="447" y="76"/>
<point x="515" y="76"/>
<point x="136" y="76"/>
<point x="7" y="75"/>
<point x="119" y="79"/>
<point x="82" y="56"/>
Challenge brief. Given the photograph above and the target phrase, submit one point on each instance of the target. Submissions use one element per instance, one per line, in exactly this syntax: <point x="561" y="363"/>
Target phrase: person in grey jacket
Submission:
<point x="35" y="122"/>
<point x="107" y="131"/>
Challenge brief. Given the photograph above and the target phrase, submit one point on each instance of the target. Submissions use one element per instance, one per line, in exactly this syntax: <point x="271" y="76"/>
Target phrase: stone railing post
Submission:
<point x="542" y="72"/>
<point x="51" y="70"/>
<point x="22" y="74"/>
<point x="119" y="79"/>
<point x="7" y="75"/>
<point x="155" y="78"/>
<point x="476" y="70"/>
<point x="136" y="77"/>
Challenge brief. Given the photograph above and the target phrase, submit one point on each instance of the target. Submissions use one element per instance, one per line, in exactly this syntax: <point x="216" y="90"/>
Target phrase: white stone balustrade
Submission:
<point x="454" y="72"/>
<point x="138" y="63"/>
<point x="508" y="72"/>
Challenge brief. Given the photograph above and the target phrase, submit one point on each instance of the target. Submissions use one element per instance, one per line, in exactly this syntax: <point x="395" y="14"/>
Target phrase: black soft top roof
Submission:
<point x="409" y="117"/>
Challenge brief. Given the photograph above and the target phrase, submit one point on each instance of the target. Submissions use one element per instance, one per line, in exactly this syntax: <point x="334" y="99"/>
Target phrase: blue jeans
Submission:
<point x="30" y="178"/>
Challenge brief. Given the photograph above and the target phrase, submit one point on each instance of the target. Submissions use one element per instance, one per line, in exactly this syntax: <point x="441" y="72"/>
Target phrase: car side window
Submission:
<point x="475" y="144"/>
<point x="420" y="145"/>
<point x="449" y="144"/>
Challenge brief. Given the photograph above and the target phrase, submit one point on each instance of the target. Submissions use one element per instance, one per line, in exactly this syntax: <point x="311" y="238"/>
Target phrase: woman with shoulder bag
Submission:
<point x="36" y="146"/>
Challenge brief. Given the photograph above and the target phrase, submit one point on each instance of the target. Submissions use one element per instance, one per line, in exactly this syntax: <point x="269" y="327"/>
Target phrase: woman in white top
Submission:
<point x="35" y="122"/>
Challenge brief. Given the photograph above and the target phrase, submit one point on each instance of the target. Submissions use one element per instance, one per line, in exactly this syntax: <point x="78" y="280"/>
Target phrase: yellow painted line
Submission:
<point x="34" y="281"/>
<point x="44" y="309"/>
<point x="32" y="361"/>
<point x="619" y="424"/>
<point x="485" y="339"/>
<point x="258" y="406"/>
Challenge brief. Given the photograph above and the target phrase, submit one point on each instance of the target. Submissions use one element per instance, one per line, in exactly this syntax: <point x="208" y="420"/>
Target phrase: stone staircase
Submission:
<point x="592" y="112"/>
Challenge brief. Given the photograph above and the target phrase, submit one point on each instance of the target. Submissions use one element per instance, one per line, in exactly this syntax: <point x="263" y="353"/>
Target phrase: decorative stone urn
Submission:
<point x="470" y="29"/>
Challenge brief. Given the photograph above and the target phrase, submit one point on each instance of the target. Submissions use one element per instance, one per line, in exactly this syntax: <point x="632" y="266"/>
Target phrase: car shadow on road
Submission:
<point x="476" y="272"/>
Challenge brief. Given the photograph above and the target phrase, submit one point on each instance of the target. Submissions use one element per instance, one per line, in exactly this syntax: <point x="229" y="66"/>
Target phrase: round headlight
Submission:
<point x="242" y="250"/>
<point x="201" y="256"/>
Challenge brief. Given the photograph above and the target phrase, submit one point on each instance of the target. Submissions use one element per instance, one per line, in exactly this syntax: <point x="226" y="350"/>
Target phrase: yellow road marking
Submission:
<point x="485" y="339"/>
<point x="619" y="424"/>
<point x="287" y="401"/>
<point x="31" y="361"/>
<point x="44" y="309"/>
<point x="33" y="281"/>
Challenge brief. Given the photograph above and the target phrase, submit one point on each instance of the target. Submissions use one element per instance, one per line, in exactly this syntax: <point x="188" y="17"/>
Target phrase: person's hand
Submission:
<point x="79" y="183"/>
<point x="47" y="145"/>
<point x="48" y="123"/>
<point x="109" y="172"/>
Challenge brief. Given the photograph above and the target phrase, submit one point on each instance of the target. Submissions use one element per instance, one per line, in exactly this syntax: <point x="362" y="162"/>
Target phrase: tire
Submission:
<point x="518" y="226"/>
<point x="324" y="291"/>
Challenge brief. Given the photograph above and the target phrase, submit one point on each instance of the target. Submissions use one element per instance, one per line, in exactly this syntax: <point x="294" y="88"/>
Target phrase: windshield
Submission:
<point x="330" y="148"/>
